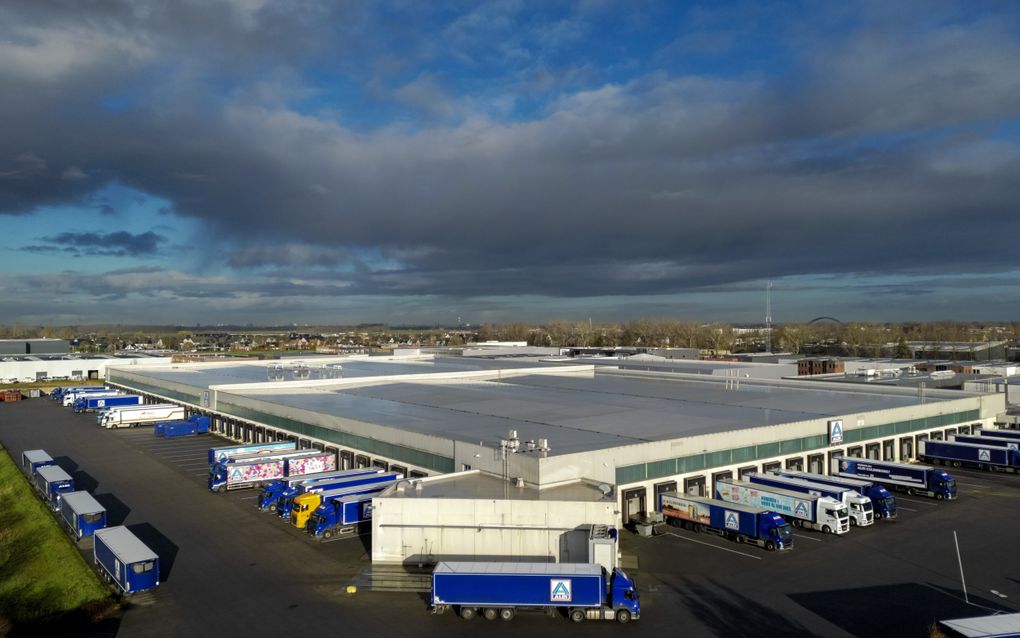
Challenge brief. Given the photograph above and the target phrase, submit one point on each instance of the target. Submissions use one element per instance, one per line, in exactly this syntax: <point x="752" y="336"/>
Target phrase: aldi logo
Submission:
<point x="731" y="520"/>
<point x="984" y="455"/>
<point x="836" y="432"/>
<point x="559" y="590"/>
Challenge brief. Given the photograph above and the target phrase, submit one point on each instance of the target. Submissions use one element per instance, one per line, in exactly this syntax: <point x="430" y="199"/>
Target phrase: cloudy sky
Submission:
<point x="415" y="162"/>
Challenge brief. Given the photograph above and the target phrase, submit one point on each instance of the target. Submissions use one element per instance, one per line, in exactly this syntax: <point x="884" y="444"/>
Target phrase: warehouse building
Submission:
<point x="28" y="368"/>
<point x="547" y="427"/>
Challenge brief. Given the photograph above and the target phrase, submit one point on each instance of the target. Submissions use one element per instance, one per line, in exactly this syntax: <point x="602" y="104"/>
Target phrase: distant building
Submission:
<point x="34" y="346"/>
<point x="819" y="366"/>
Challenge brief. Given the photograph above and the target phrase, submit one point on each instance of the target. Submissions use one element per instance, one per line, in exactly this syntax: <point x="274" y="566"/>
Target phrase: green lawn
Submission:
<point x="42" y="575"/>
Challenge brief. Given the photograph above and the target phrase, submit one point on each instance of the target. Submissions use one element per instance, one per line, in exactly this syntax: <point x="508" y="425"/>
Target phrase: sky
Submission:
<point x="270" y="162"/>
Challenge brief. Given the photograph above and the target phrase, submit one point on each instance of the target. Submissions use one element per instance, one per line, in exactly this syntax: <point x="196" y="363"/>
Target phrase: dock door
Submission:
<point x="633" y="504"/>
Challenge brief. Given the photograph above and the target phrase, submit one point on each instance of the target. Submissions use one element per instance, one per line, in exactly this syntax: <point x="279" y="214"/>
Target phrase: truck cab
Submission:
<point x="943" y="485"/>
<point x="775" y="528"/>
<point x="883" y="501"/>
<point x="623" y="596"/>
<point x="861" y="511"/>
<point x="834" y="515"/>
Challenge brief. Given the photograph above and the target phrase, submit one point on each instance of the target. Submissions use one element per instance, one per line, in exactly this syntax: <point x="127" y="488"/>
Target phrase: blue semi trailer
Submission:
<point x="1002" y="434"/>
<point x="997" y="441"/>
<point x="221" y="454"/>
<point x="52" y="482"/>
<point x="58" y="393"/>
<point x="194" y="424"/>
<point x="282" y="489"/>
<point x="983" y="457"/>
<point x="500" y="590"/>
<point x="882" y="501"/>
<point x="343" y="514"/>
<point x="94" y="404"/>
<point x="125" y="560"/>
<point x="903" y="477"/>
<point x="741" y="523"/>
<point x="285" y="504"/>
<point x="32" y="460"/>
<point x="82" y="514"/>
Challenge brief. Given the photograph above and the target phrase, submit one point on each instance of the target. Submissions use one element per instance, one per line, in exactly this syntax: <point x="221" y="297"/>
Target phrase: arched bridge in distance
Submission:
<point x="824" y="320"/>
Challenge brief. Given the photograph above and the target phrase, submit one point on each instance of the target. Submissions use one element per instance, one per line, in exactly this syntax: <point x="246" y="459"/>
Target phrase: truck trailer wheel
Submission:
<point x="623" y="616"/>
<point x="489" y="613"/>
<point x="577" y="615"/>
<point x="328" y="534"/>
<point x="506" y="613"/>
<point x="468" y="613"/>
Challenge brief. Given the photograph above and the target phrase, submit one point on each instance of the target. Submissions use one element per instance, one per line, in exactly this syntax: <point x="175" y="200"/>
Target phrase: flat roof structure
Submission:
<point x="474" y="485"/>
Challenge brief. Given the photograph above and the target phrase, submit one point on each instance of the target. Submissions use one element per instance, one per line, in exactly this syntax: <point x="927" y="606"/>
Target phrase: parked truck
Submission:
<point x="68" y="399"/>
<point x="125" y="560"/>
<point x="343" y="515"/>
<point x="1002" y="434"/>
<point x="193" y="425"/>
<point x="52" y="482"/>
<point x="220" y="454"/>
<point x="305" y="504"/>
<point x="859" y="507"/>
<point x="31" y="460"/>
<point x="256" y="473"/>
<point x="882" y="501"/>
<point x="284" y="488"/>
<point x="741" y="523"/>
<point x="82" y="514"/>
<point x="804" y="510"/>
<point x="58" y="393"/>
<point x="983" y="457"/>
<point x="902" y="477"/>
<point x="130" y="416"/>
<point x="500" y="590"/>
<point x="93" y="403"/>
<point x="997" y="441"/>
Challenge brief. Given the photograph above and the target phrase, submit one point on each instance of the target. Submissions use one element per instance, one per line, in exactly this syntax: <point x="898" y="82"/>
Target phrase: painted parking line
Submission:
<point x="725" y="549"/>
<point x="347" y="538"/>
<point x="182" y="456"/>
<point x="905" y="509"/>
<point x="808" y="538"/>
<point x="910" y="500"/>
<point x="199" y="473"/>
<point x="191" y="466"/>
<point x="248" y="498"/>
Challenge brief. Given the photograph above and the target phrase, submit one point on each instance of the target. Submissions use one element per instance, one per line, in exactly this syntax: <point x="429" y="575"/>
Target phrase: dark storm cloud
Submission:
<point x="875" y="154"/>
<point x="116" y="244"/>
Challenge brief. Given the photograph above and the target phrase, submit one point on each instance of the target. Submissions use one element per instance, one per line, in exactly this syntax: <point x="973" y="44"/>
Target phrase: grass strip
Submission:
<point x="42" y="574"/>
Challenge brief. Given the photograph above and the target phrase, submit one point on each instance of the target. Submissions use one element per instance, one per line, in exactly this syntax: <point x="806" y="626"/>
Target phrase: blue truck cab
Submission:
<point x="53" y="482"/>
<point x="342" y="514"/>
<point x="276" y="492"/>
<point x="285" y="505"/>
<point x="125" y="560"/>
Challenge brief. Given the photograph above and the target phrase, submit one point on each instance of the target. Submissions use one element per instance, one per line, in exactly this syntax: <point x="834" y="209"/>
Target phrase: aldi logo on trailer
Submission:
<point x="559" y="590"/>
<point x="836" y="432"/>
<point x="984" y="455"/>
<point x="731" y="520"/>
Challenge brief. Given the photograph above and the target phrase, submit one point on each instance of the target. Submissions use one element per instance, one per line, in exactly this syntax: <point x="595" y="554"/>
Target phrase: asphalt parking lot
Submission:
<point x="227" y="568"/>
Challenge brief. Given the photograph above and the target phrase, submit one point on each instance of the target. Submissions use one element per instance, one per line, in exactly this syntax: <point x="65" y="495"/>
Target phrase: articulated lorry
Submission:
<point x="882" y="501"/>
<point x="245" y="473"/>
<point x="803" y="510"/>
<point x="130" y="416"/>
<point x="82" y="514"/>
<point x="859" y="507"/>
<point x="59" y="393"/>
<point x="221" y="454"/>
<point x="500" y="590"/>
<point x="343" y="515"/>
<point x="68" y="399"/>
<point x="191" y="426"/>
<point x="902" y="477"/>
<point x="1002" y="434"/>
<point x="32" y="460"/>
<point x="997" y="441"/>
<point x="983" y="457"/>
<point x="305" y="504"/>
<point x="125" y="560"/>
<point x="92" y="403"/>
<point x="52" y="482"/>
<point x="741" y="523"/>
<point x="282" y="489"/>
